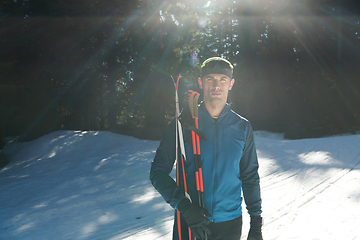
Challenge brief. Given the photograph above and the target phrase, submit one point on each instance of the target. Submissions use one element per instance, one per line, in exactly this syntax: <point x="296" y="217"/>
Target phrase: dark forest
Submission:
<point x="107" y="65"/>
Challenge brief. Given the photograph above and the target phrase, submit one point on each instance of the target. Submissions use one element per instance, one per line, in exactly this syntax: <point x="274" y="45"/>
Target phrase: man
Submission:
<point x="229" y="165"/>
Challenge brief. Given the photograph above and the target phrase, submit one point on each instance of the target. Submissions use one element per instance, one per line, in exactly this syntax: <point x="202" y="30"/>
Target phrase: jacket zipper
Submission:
<point x="216" y="163"/>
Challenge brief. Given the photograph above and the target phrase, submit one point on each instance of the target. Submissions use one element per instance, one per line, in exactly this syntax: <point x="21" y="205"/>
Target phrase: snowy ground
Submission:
<point x="94" y="185"/>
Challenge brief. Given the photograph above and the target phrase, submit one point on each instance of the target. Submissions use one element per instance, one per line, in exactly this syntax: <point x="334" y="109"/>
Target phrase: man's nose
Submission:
<point x="216" y="83"/>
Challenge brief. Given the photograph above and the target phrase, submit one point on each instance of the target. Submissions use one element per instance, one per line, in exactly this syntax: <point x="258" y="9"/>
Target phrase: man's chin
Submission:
<point x="216" y="100"/>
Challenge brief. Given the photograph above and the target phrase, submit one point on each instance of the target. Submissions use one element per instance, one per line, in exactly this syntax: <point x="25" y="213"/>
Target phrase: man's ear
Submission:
<point x="200" y="83"/>
<point x="231" y="83"/>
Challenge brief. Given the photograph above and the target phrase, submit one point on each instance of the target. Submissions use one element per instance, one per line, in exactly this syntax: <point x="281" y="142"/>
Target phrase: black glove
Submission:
<point x="255" y="228"/>
<point x="194" y="217"/>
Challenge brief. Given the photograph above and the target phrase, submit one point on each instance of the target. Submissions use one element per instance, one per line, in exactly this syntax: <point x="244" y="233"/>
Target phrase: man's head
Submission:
<point x="216" y="80"/>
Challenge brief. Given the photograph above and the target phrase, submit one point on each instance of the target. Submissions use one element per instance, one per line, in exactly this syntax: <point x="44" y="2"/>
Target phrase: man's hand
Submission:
<point x="255" y="228"/>
<point x="195" y="218"/>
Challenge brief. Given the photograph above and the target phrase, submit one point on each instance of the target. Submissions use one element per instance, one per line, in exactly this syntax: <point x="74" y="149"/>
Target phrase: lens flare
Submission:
<point x="158" y="222"/>
<point x="202" y="23"/>
<point x="194" y="60"/>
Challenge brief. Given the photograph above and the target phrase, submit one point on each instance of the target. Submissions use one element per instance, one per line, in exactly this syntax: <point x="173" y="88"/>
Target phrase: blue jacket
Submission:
<point x="229" y="163"/>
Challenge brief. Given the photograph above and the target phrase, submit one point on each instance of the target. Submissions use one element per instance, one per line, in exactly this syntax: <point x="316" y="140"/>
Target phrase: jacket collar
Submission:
<point x="226" y="109"/>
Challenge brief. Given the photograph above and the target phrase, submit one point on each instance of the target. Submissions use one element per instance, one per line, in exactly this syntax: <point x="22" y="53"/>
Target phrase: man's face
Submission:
<point x="216" y="88"/>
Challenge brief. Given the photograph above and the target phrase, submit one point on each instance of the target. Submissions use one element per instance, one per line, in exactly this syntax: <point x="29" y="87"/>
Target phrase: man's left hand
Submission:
<point x="255" y="228"/>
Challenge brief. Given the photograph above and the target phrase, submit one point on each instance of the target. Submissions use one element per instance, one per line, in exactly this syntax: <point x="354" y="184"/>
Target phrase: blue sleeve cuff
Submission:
<point x="179" y="202"/>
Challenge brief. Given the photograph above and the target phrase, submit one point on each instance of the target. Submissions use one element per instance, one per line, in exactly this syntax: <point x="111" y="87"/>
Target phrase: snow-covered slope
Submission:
<point x="94" y="185"/>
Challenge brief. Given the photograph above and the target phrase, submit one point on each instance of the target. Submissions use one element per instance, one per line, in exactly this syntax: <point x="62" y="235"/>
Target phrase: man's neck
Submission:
<point x="214" y="109"/>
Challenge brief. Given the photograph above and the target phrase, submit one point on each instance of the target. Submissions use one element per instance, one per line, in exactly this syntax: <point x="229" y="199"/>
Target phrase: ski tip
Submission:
<point x="177" y="83"/>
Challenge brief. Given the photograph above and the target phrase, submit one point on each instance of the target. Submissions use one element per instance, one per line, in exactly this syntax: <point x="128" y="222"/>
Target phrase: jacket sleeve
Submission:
<point x="249" y="176"/>
<point x="162" y="166"/>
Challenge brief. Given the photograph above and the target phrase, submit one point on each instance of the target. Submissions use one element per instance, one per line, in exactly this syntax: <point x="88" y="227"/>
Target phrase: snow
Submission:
<point x="95" y="185"/>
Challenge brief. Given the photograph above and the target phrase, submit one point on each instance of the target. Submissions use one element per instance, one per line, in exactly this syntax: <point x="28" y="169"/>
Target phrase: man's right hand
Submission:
<point x="195" y="218"/>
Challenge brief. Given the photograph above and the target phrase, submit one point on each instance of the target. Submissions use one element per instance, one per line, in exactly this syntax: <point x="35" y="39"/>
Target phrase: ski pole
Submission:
<point x="180" y="150"/>
<point x="192" y="101"/>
